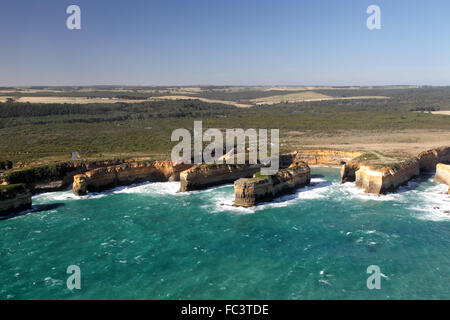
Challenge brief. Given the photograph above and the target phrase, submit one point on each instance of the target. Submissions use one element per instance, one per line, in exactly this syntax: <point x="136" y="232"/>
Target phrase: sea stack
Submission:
<point x="249" y="192"/>
<point x="207" y="175"/>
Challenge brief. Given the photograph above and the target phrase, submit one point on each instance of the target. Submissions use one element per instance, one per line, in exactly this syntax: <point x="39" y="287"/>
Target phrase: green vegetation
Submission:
<point x="368" y="156"/>
<point x="395" y="165"/>
<point x="6" y="165"/>
<point x="30" y="132"/>
<point x="41" y="173"/>
<point x="10" y="190"/>
<point x="426" y="109"/>
<point x="258" y="177"/>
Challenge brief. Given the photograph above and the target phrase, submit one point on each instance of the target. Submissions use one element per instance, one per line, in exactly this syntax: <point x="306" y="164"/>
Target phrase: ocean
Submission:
<point x="148" y="242"/>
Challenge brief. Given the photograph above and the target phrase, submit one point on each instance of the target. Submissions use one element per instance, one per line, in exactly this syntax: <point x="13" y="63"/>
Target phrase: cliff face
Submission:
<point x="319" y="157"/>
<point x="348" y="171"/>
<point x="429" y="159"/>
<point x="125" y="174"/>
<point x="443" y="174"/>
<point x="203" y="176"/>
<point x="380" y="179"/>
<point x="14" y="198"/>
<point x="251" y="191"/>
<point x="56" y="177"/>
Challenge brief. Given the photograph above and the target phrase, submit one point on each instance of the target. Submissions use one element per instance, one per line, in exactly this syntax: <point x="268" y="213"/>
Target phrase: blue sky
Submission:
<point x="224" y="42"/>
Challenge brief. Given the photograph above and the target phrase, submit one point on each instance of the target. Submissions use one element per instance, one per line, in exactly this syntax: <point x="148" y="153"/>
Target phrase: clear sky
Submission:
<point x="224" y="42"/>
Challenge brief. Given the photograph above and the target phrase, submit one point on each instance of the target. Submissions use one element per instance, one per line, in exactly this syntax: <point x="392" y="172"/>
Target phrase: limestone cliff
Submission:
<point x="348" y="171"/>
<point x="383" y="178"/>
<point x="125" y="174"/>
<point x="325" y="157"/>
<point x="203" y="176"/>
<point x="56" y="177"/>
<point x="14" y="198"/>
<point x="443" y="174"/>
<point x="251" y="191"/>
<point x="429" y="159"/>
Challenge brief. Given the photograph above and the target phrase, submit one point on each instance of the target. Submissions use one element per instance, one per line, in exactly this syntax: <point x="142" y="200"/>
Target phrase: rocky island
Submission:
<point x="251" y="191"/>
<point x="207" y="175"/>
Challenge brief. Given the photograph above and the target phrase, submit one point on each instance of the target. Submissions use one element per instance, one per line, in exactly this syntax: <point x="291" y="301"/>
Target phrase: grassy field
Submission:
<point x="48" y="132"/>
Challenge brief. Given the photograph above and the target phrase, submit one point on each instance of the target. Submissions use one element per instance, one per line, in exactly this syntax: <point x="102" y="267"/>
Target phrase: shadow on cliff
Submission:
<point x="414" y="183"/>
<point x="35" y="209"/>
<point x="297" y="192"/>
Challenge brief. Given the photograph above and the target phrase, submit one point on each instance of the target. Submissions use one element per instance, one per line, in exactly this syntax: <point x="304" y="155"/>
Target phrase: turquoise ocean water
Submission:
<point x="148" y="242"/>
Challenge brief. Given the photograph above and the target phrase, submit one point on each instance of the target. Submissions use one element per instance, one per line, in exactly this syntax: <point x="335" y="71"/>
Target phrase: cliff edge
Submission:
<point x="249" y="192"/>
<point x="14" y="198"/>
<point x="429" y="159"/>
<point x="125" y="174"/>
<point x="317" y="157"/>
<point x="384" y="178"/>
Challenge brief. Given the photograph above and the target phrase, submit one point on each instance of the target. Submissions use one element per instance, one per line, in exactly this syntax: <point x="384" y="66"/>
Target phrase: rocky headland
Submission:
<point x="384" y="178"/>
<point x="381" y="175"/>
<point x="429" y="159"/>
<point x="126" y="174"/>
<point x="59" y="176"/>
<point x="14" y="198"/>
<point x="249" y="192"/>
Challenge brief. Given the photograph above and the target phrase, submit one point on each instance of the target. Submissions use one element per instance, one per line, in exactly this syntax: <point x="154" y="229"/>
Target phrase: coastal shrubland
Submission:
<point x="31" y="132"/>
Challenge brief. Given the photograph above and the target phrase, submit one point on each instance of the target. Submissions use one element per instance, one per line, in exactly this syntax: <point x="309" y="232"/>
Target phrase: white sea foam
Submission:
<point x="318" y="189"/>
<point x="64" y="196"/>
<point x="351" y="191"/>
<point x="162" y="188"/>
<point x="53" y="282"/>
<point x="433" y="203"/>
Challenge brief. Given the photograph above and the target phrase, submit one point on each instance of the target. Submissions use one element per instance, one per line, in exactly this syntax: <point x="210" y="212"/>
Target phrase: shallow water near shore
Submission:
<point x="149" y="242"/>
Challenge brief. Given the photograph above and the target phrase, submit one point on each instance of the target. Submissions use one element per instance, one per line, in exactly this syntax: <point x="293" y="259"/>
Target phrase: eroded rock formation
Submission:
<point x="384" y="178"/>
<point x="443" y="174"/>
<point x="56" y="177"/>
<point x="429" y="159"/>
<point x="14" y="198"/>
<point x="251" y="191"/>
<point x="125" y="174"/>
<point x="203" y="176"/>
<point x="348" y="171"/>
